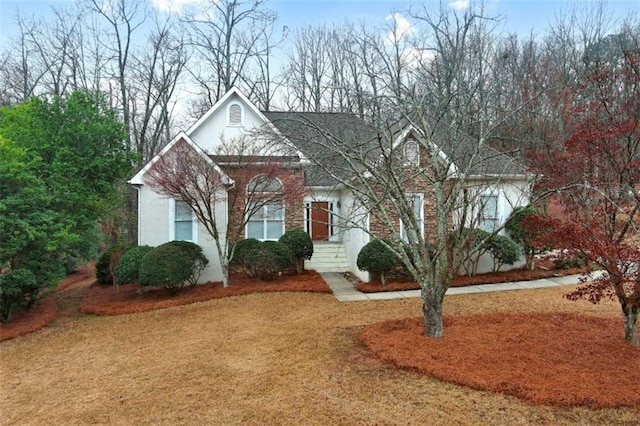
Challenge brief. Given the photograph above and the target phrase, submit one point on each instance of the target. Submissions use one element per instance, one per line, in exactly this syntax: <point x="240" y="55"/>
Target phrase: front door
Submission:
<point x="320" y="220"/>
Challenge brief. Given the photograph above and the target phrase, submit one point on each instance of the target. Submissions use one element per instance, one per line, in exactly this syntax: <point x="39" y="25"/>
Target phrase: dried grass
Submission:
<point x="268" y="358"/>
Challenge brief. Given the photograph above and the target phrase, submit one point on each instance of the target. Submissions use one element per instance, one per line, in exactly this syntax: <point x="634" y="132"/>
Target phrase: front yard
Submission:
<point x="260" y="359"/>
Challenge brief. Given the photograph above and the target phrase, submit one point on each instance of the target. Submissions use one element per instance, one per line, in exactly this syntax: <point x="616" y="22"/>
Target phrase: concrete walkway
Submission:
<point x="346" y="292"/>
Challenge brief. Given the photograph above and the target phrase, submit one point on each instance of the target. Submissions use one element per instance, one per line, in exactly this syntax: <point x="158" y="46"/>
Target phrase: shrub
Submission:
<point x="104" y="264"/>
<point x="470" y="245"/>
<point x="18" y="290"/>
<point x="172" y="265"/>
<point x="400" y="271"/>
<point x="503" y="251"/>
<point x="267" y="259"/>
<point x="300" y="246"/>
<point x="568" y="259"/>
<point x="129" y="265"/>
<point x="520" y="235"/>
<point x="377" y="258"/>
<point x="242" y="248"/>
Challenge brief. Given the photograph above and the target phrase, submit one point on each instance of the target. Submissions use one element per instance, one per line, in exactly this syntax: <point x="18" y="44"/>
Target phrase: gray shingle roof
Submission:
<point x="313" y="134"/>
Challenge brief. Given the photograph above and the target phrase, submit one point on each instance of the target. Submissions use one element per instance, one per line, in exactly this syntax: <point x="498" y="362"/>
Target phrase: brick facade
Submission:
<point x="292" y="179"/>
<point x="415" y="184"/>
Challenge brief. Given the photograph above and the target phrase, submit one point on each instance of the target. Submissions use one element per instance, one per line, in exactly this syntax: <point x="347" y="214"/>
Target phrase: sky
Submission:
<point x="521" y="16"/>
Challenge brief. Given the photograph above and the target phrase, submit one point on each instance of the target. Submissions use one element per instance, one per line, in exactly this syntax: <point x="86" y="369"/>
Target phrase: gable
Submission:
<point x="231" y="117"/>
<point x="182" y="137"/>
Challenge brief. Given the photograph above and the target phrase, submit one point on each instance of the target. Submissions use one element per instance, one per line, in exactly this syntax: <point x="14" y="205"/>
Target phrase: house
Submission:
<point x="327" y="210"/>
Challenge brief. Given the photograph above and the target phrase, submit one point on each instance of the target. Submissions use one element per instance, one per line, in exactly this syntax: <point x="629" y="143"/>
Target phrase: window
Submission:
<point x="265" y="201"/>
<point x="267" y="223"/>
<point x="411" y="152"/>
<point x="488" y="220"/>
<point x="415" y="201"/>
<point x="235" y="115"/>
<point x="183" y="222"/>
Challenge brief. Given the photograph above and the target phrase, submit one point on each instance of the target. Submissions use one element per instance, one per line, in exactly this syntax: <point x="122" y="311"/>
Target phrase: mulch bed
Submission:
<point x="36" y="318"/>
<point x="103" y="300"/>
<point x="559" y="359"/>
<point x="520" y="274"/>
<point x="45" y="312"/>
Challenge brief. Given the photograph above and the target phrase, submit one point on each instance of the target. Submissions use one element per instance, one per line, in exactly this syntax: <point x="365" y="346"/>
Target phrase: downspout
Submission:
<point x="138" y="214"/>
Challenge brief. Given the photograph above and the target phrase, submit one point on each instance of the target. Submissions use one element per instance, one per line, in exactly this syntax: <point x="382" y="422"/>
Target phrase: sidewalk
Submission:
<point x="346" y="292"/>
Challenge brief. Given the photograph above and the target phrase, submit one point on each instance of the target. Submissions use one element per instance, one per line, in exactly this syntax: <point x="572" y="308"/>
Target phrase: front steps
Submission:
<point x="328" y="257"/>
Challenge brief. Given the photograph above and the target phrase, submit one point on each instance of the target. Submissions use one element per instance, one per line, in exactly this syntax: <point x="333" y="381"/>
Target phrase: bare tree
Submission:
<point x="228" y="37"/>
<point x="123" y="19"/>
<point x="249" y="183"/>
<point x="441" y="106"/>
<point x="156" y="70"/>
<point x="21" y="76"/>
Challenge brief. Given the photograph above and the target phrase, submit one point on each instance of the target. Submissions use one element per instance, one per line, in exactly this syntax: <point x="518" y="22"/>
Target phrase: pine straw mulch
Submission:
<point x="46" y="311"/>
<point x="560" y="359"/>
<point x="104" y="300"/>
<point x="514" y="275"/>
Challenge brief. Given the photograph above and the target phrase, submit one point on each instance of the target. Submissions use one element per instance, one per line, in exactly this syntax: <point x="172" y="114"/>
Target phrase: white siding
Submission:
<point x="353" y="237"/>
<point x="216" y="128"/>
<point x="511" y="193"/>
<point x="155" y="229"/>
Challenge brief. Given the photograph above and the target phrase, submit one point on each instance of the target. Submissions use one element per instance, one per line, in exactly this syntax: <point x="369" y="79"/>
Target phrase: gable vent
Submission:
<point x="235" y="114"/>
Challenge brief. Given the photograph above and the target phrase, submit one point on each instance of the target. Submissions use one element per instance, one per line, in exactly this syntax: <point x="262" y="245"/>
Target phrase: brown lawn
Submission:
<point x="274" y="358"/>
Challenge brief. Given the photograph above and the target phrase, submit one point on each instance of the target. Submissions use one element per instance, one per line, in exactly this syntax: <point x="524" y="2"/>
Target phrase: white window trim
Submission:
<point x="334" y="215"/>
<point x="229" y="123"/>
<point x="498" y="217"/>
<point x="421" y="196"/>
<point x="264" y="229"/>
<point x="284" y="212"/>
<point x="172" y="223"/>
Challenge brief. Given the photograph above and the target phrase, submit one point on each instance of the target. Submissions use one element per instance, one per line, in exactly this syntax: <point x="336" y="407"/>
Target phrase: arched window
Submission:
<point x="411" y="152"/>
<point x="265" y="184"/>
<point x="235" y="115"/>
<point x="265" y="208"/>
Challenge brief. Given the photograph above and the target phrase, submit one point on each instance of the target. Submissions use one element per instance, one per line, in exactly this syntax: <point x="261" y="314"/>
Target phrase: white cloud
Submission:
<point x="414" y="57"/>
<point x="400" y="27"/>
<point x="459" y="4"/>
<point x="173" y="6"/>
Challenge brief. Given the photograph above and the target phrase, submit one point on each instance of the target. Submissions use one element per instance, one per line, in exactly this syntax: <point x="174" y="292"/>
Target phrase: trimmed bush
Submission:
<point x="267" y="259"/>
<point x="104" y="263"/>
<point x="503" y="251"/>
<point x="128" y="267"/>
<point x="375" y="257"/>
<point x="300" y="246"/>
<point x="242" y="248"/>
<point x="172" y="265"/>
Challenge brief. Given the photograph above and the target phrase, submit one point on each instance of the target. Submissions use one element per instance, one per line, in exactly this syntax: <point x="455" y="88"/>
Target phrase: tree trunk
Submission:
<point x="432" y="317"/>
<point x="225" y="274"/>
<point x="299" y="265"/>
<point x="630" y="319"/>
